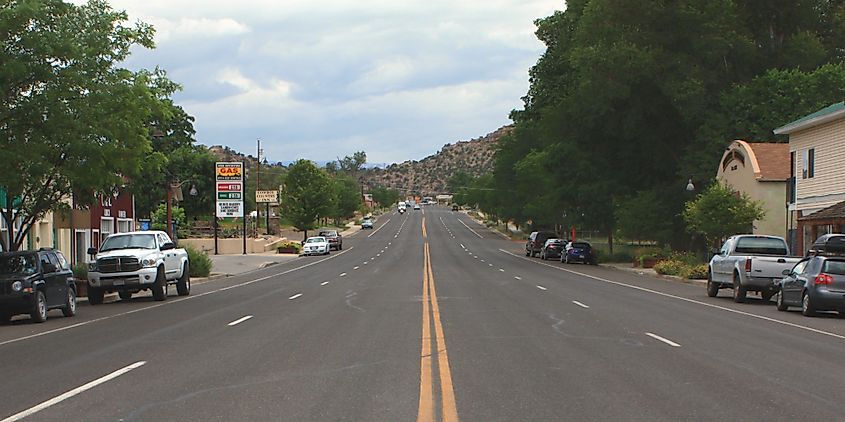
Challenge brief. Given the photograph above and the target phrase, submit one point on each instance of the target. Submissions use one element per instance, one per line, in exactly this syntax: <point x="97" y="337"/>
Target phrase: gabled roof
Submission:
<point x="833" y="211"/>
<point x="773" y="159"/>
<point x="827" y="114"/>
<point x="769" y="160"/>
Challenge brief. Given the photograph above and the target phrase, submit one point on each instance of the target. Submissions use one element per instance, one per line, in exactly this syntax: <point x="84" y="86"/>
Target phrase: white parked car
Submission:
<point x="317" y="245"/>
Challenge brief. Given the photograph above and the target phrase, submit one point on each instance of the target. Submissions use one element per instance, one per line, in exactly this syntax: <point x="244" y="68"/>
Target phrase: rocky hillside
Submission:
<point x="429" y="175"/>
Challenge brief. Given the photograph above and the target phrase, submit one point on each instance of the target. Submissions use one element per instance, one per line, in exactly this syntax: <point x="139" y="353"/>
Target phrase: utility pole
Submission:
<point x="258" y="185"/>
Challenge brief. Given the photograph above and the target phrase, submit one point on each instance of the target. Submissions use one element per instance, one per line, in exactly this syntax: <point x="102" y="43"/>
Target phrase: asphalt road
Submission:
<point x="428" y="317"/>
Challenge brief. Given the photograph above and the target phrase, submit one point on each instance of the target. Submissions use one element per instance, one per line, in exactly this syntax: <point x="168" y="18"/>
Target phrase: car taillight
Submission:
<point x="748" y="265"/>
<point x="824" y="279"/>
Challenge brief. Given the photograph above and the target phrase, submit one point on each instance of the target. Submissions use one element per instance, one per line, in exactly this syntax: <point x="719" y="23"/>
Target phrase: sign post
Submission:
<point x="229" y="179"/>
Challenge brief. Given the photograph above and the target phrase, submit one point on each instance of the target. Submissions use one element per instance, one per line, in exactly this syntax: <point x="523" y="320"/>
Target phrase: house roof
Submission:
<point x="827" y="114"/>
<point x="768" y="160"/>
<point x="773" y="160"/>
<point x="831" y="212"/>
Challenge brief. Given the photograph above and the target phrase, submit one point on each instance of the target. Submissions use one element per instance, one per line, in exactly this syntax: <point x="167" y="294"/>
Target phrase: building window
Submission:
<point x="124" y="225"/>
<point x="808" y="161"/>
<point x="105" y="228"/>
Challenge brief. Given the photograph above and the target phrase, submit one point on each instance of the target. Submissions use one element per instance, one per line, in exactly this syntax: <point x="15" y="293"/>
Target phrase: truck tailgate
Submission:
<point x="771" y="266"/>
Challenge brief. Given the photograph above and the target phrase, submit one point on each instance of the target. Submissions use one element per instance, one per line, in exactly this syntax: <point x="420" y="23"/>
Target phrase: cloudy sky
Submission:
<point x="323" y="79"/>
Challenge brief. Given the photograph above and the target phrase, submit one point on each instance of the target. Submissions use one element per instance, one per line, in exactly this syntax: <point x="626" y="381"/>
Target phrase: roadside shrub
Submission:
<point x="604" y="257"/>
<point x="286" y="247"/>
<point x="200" y="263"/>
<point x="80" y="271"/>
<point x="679" y="268"/>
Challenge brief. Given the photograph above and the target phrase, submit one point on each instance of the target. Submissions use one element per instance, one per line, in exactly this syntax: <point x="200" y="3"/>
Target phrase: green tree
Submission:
<point x="385" y="196"/>
<point x="347" y="198"/>
<point x="159" y="217"/>
<point x="73" y="120"/>
<point x="719" y="212"/>
<point x="307" y="196"/>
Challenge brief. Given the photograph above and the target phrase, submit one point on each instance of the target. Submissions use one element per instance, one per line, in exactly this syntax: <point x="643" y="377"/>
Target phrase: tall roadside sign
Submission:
<point x="229" y="178"/>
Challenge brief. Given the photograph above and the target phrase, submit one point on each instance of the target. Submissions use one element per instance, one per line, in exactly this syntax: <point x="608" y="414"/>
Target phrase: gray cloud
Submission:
<point x="397" y="79"/>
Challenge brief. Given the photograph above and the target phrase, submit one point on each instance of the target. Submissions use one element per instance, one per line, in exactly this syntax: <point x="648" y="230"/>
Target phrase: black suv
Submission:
<point x="33" y="282"/>
<point x="536" y="241"/>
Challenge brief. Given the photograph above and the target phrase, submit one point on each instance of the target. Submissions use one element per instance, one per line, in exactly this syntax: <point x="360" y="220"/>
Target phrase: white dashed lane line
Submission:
<point x="667" y="341"/>
<point x="355" y="268"/>
<point x="541" y="287"/>
<point x="298" y="295"/>
<point x="517" y="277"/>
<point x="324" y="283"/>
<point x="240" y="320"/>
<point x="502" y="269"/>
<point x="580" y="304"/>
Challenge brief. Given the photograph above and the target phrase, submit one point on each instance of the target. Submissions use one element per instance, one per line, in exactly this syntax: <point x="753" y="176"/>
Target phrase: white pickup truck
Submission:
<point x="749" y="263"/>
<point x="130" y="262"/>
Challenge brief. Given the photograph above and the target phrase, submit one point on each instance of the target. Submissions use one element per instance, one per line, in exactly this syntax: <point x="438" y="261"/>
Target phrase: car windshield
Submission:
<point x="834" y="267"/>
<point x="760" y="246"/>
<point x="315" y="240"/>
<point x="129" y="241"/>
<point x="18" y="264"/>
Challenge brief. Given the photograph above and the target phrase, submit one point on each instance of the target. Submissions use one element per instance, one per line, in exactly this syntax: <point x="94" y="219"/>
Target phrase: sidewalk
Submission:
<point x="230" y="265"/>
<point x="624" y="266"/>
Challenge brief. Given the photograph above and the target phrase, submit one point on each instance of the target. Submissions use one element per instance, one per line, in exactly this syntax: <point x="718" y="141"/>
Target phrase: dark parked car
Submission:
<point x="552" y="249"/>
<point x="33" y="282"/>
<point x="579" y="252"/>
<point x="335" y="239"/>
<point x="455" y="207"/>
<point x="830" y="243"/>
<point x="816" y="283"/>
<point x="536" y="240"/>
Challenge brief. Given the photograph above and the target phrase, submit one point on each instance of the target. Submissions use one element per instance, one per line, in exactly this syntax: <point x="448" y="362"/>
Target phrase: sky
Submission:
<point x="312" y="79"/>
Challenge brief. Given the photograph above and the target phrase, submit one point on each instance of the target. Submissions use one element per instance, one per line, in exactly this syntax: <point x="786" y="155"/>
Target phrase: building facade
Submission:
<point x="817" y="170"/>
<point x="760" y="170"/>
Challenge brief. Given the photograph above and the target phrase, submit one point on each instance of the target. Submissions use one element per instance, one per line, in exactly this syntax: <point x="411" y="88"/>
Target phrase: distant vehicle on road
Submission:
<point x="416" y="207"/>
<point x="367" y="223"/>
<point x="749" y="263"/>
<point x="579" y="252"/>
<point x="33" y="282"/>
<point x="401" y="207"/>
<point x="816" y="283"/>
<point x="455" y="207"/>
<point x="316" y="245"/>
<point x="552" y="249"/>
<point x="536" y="240"/>
<point x="334" y="238"/>
<point x="130" y="262"/>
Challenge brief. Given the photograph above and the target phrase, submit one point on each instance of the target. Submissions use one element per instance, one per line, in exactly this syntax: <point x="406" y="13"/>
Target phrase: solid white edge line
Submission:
<point x="240" y="320"/>
<point x="295" y="296"/>
<point x="173" y="300"/>
<point x="580" y="304"/>
<point x="667" y="341"/>
<point x="75" y="391"/>
<point x="709" y="305"/>
<point x="379" y="228"/>
<point x="541" y="287"/>
<point x="470" y="229"/>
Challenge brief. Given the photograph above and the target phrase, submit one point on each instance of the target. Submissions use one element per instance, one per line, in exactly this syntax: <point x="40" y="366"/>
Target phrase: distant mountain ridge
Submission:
<point x="428" y="176"/>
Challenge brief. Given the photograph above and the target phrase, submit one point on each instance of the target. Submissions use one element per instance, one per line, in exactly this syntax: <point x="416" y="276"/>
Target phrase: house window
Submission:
<point x="105" y="228"/>
<point x="124" y="225"/>
<point x="808" y="161"/>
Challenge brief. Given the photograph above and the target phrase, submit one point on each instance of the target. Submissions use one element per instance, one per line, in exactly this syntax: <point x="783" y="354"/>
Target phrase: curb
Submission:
<point x="639" y="271"/>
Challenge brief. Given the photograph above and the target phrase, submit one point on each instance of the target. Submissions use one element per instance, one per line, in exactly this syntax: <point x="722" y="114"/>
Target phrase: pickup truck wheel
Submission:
<point x="95" y="295"/>
<point x="712" y="288"/>
<point x="69" y="309"/>
<point x="782" y="306"/>
<point x="807" y="307"/>
<point x="739" y="291"/>
<point x="183" y="286"/>
<point x="124" y="294"/>
<point x="39" y="308"/>
<point x="159" y="292"/>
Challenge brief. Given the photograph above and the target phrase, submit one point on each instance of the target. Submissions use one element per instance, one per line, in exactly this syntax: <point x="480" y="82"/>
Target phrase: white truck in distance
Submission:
<point x="130" y="262"/>
<point x="749" y="263"/>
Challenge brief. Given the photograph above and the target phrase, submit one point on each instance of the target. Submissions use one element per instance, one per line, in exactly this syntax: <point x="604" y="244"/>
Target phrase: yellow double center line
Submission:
<point x="431" y="312"/>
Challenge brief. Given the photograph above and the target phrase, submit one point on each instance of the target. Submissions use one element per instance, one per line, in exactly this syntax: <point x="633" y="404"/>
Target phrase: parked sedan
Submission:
<point x="816" y="283"/>
<point x="579" y="252"/>
<point x="317" y="245"/>
<point x="367" y="223"/>
<point x="552" y="249"/>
